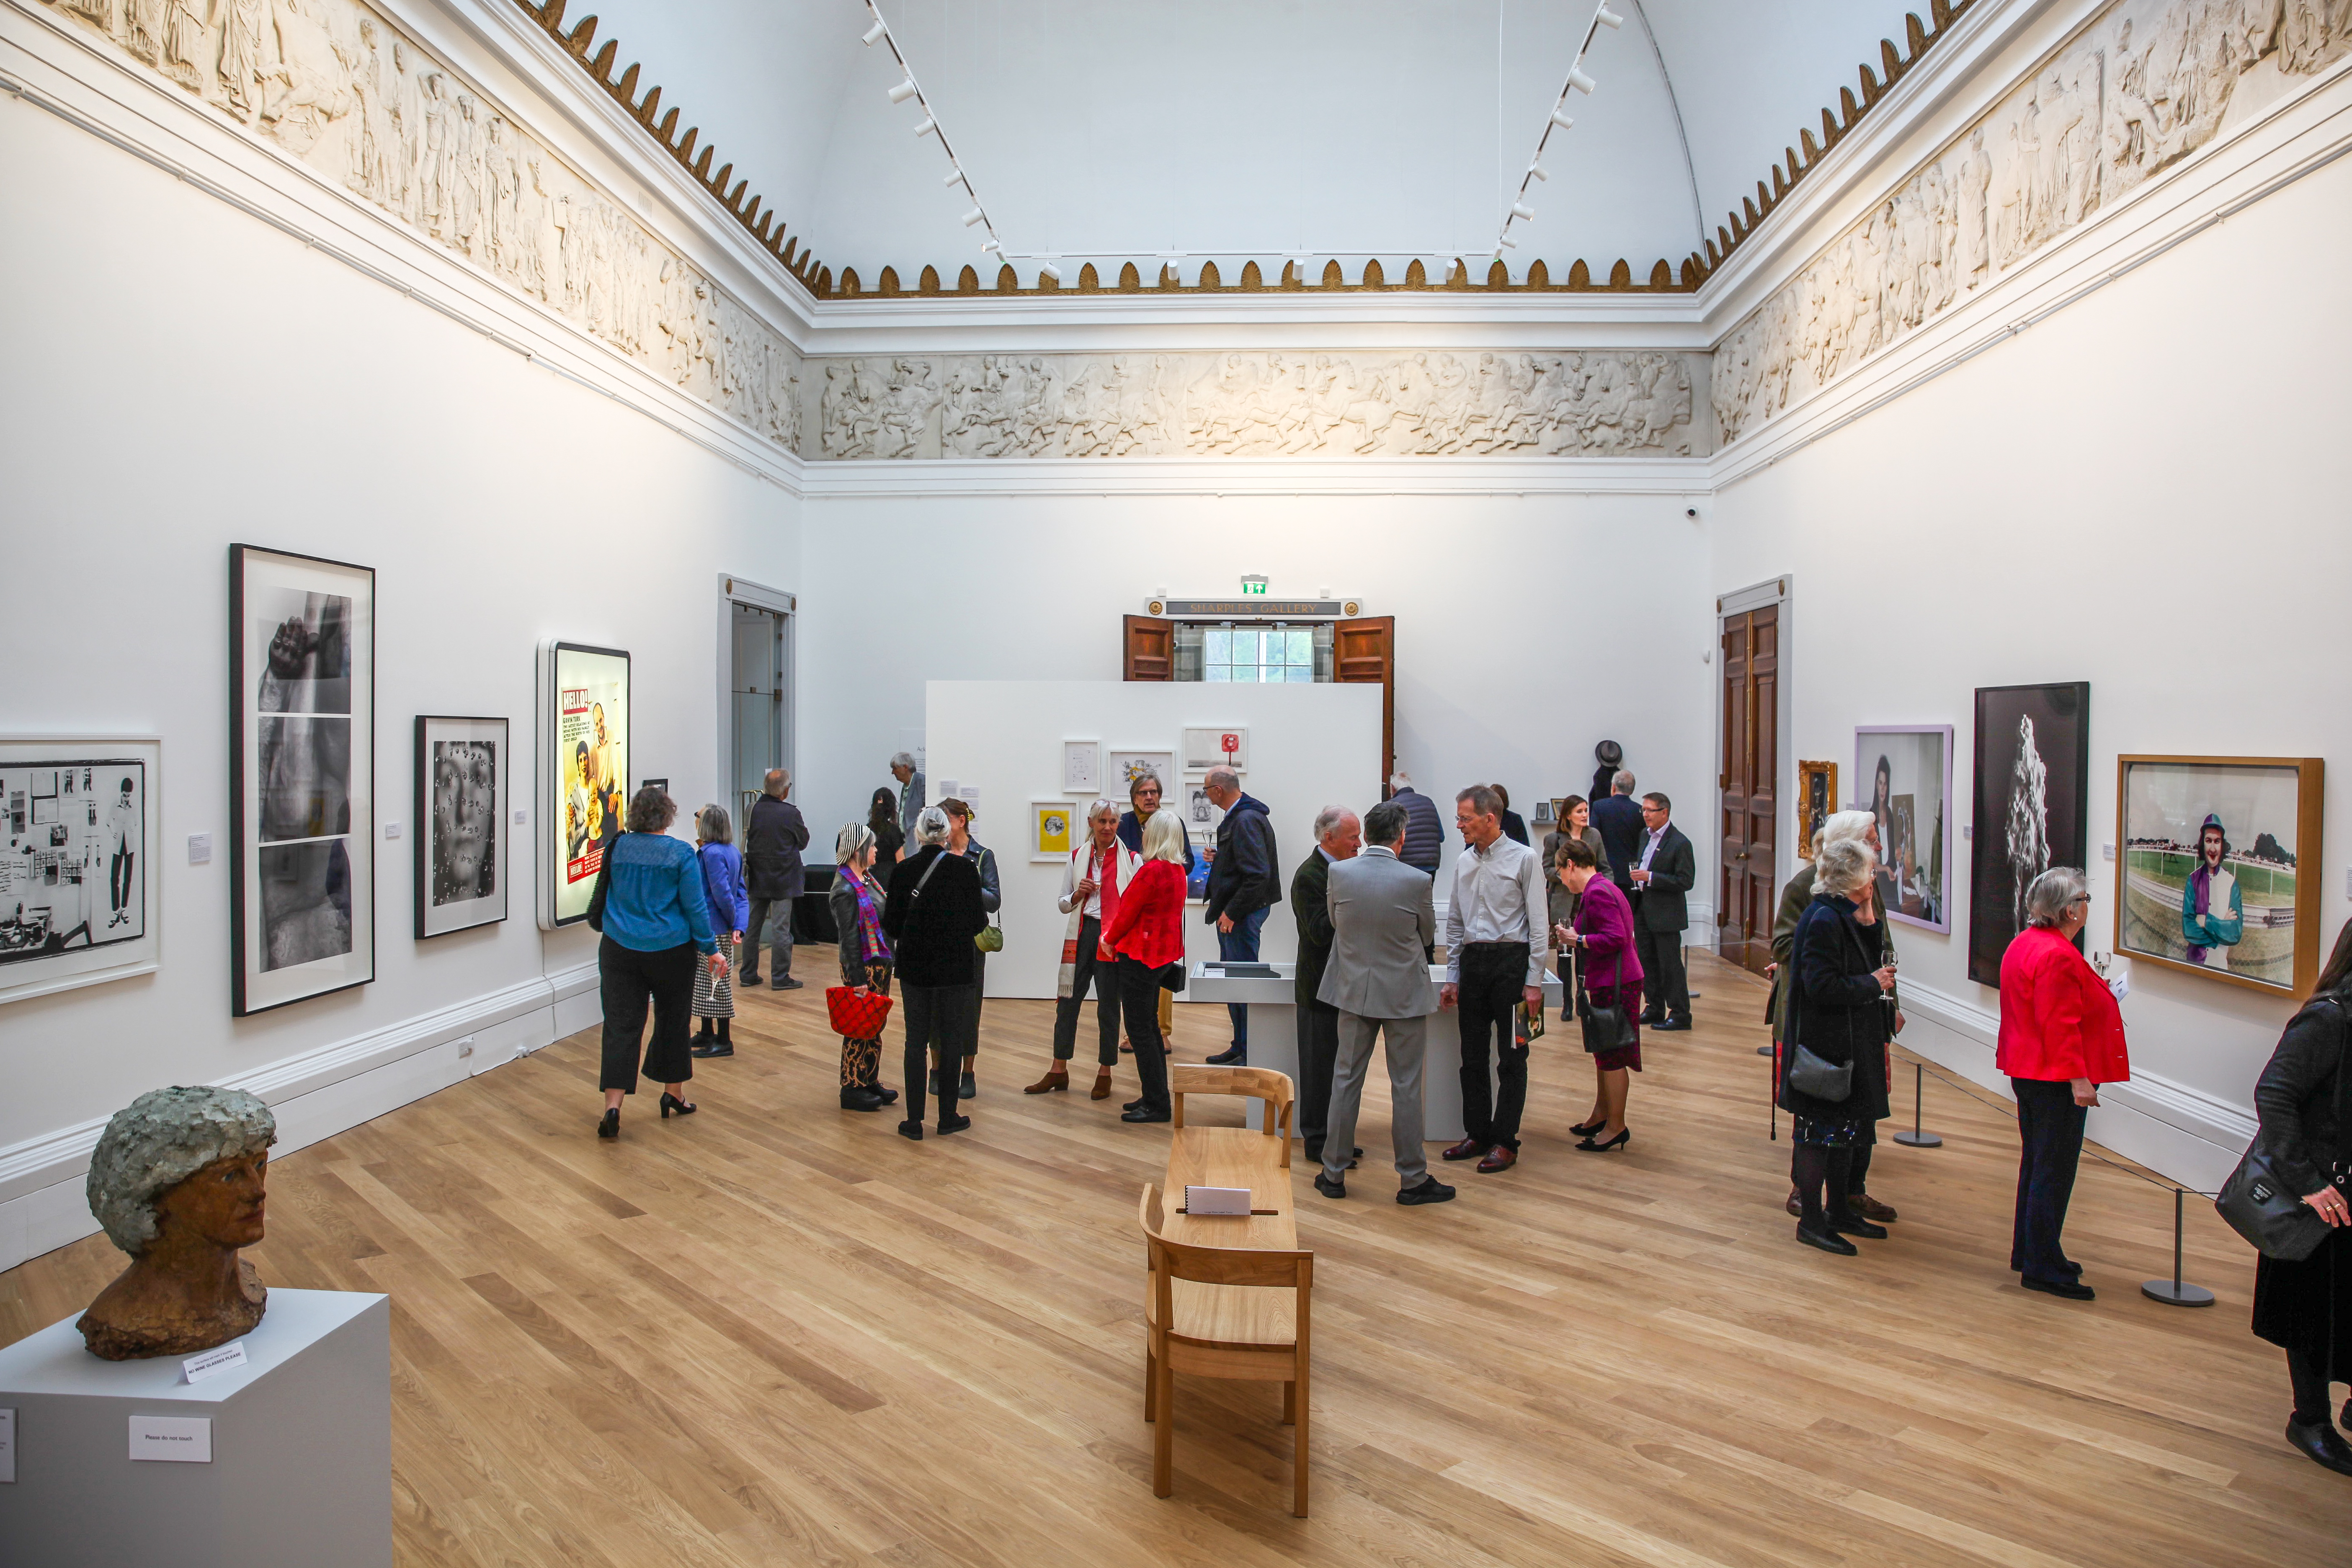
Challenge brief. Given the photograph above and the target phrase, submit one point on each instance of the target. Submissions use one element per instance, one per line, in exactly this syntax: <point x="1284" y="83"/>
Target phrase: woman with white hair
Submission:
<point x="855" y="903"/>
<point x="1092" y="875"/>
<point x="1146" y="935"/>
<point x="2062" y="1036"/>
<point x="931" y="916"/>
<point x="1832" y="1067"/>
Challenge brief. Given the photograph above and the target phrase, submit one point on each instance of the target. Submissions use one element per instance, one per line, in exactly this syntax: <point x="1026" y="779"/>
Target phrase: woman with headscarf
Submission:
<point x="856" y="902"/>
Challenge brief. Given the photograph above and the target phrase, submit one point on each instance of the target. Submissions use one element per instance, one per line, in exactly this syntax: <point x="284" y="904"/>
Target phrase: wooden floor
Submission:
<point x="778" y="1333"/>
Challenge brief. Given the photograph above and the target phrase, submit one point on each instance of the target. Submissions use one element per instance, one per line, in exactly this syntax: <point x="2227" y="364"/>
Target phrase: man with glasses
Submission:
<point x="1663" y="874"/>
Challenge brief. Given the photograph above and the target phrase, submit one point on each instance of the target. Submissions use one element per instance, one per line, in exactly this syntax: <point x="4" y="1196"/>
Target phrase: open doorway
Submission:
<point x="758" y="726"/>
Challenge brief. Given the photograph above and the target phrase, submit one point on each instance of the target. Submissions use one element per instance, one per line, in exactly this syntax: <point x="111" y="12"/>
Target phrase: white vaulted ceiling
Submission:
<point x="1111" y="129"/>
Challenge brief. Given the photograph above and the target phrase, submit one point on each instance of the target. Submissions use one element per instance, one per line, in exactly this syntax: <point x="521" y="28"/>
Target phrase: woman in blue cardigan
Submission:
<point x="654" y="915"/>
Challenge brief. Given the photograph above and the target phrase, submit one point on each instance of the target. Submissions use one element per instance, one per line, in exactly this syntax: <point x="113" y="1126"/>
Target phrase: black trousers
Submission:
<point x="627" y="981"/>
<point x="1665" y="980"/>
<point x="945" y="1018"/>
<point x="783" y="966"/>
<point x="2050" y="1126"/>
<point x="1104" y="977"/>
<point x="118" y="881"/>
<point x="1494" y="978"/>
<point x="1138" y="999"/>
<point x="1319" y="1050"/>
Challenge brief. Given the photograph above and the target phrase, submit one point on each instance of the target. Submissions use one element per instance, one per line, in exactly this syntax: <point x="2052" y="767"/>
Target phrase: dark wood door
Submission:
<point x="1750" y="761"/>
<point x="1365" y="650"/>
<point x="1149" y="649"/>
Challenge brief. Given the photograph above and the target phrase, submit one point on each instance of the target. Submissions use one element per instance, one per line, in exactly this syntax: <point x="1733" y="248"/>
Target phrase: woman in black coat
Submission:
<point x="1836" y="1011"/>
<point x="931" y="916"/>
<point x="2306" y="1308"/>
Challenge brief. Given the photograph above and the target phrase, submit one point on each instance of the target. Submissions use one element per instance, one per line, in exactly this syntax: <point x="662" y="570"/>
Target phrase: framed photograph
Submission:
<point x="1202" y="817"/>
<point x="302" y="777"/>
<point x="2029" y="807"/>
<point x="583" y="766"/>
<point x="1206" y="748"/>
<point x="1817" y="797"/>
<point x="460" y="823"/>
<point x="1904" y="773"/>
<point x="1053" y="829"/>
<point x="2208" y="877"/>
<point x="1121" y="768"/>
<point x="79" y="897"/>
<point x="1082" y="771"/>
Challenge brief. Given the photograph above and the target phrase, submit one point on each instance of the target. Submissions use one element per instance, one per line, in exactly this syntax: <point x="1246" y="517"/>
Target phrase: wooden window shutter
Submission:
<point x="1365" y="650"/>
<point x="1150" y="648"/>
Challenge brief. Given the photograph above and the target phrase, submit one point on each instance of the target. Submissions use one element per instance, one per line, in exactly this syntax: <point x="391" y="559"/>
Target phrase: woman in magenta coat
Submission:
<point x="2061" y="1037"/>
<point x="1603" y="936"/>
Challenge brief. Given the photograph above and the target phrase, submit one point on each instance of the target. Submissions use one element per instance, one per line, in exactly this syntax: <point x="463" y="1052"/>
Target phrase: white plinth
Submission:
<point x="300" y="1474"/>
<point x="1274" y="1037"/>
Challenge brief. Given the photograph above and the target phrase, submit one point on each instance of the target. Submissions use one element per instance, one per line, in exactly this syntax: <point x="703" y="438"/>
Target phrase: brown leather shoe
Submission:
<point x="1796" y="1204"/>
<point x="1102" y="1086"/>
<point x="1468" y="1149"/>
<point x="1057" y="1077"/>
<point x="1870" y="1208"/>
<point x="1501" y="1157"/>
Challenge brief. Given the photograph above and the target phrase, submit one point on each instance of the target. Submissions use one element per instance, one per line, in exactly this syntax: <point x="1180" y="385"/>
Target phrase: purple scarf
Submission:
<point x="872" y="948"/>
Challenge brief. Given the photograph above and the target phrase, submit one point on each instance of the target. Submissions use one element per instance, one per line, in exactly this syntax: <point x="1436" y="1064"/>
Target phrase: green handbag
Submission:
<point x="990" y="938"/>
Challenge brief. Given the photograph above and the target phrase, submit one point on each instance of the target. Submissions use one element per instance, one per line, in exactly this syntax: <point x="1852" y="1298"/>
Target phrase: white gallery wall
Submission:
<point x="180" y="377"/>
<point x="2144" y="490"/>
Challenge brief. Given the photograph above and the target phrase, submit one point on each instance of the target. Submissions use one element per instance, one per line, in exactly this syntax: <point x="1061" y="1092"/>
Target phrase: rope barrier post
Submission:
<point x="2172" y="1292"/>
<point x="1915" y="1139"/>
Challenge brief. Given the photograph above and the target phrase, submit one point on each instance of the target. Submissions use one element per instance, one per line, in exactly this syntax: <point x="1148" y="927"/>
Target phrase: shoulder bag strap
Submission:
<point x="926" y="876"/>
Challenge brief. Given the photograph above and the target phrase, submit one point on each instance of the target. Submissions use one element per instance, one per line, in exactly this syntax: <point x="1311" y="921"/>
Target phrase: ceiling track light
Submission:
<point x="955" y="175"/>
<point x="1609" y="18"/>
<point x="875" y="33"/>
<point x="1561" y="118"/>
<point x="977" y="214"/>
<point x="1581" y="82"/>
<point x="1537" y="170"/>
<point x="928" y="125"/>
<point x="1507" y="242"/>
<point x="903" y="91"/>
<point x="1521" y="209"/>
<point x="989" y="248"/>
<point x="1047" y="270"/>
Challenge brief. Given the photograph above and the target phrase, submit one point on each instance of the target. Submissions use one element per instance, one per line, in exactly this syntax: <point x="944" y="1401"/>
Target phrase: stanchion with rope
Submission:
<point x="2172" y="1292"/>
<point x="1915" y="1139"/>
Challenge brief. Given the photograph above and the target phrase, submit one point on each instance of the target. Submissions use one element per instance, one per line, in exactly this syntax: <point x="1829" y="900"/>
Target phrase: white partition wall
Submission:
<point x="1310" y="746"/>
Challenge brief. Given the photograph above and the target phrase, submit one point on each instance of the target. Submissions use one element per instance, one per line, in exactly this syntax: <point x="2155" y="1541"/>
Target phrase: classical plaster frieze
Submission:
<point x="1590" y="405"/>
<point x="2134" y="91"/>
<point x="335" y="86"/>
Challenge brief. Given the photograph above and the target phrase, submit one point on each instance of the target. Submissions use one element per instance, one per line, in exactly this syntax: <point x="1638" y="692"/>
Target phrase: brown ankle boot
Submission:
<point x="1102" y="1091"/>
<point x="1057" y="1077"/>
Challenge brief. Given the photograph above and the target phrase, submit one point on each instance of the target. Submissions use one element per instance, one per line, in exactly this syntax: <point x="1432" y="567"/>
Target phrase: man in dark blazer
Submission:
<point x="1664" y="870"/>
<point x="774" y="839"/>
<point x="1337" y="836"/>
<point x="1617" y="819"/>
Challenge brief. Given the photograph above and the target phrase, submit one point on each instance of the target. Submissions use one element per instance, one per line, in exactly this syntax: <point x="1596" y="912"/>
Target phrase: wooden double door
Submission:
<point x="1362" y="650"/>
<point x="1749" y="896"/>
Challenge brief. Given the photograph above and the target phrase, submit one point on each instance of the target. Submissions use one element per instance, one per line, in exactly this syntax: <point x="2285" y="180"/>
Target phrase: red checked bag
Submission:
<point x="858" y="1012"/>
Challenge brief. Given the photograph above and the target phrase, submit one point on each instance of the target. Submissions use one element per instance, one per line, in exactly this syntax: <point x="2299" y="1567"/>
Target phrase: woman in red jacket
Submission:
<point x="1146" y="934"/>
<point x="2061" y="1037"/>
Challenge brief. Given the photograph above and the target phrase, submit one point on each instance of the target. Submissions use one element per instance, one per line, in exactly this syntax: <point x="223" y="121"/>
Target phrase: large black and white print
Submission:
<point x="2032" y="807"/>
<point x="461" y="795"/>
<point x="78" y="900"/>
<point x="303" y="655"/>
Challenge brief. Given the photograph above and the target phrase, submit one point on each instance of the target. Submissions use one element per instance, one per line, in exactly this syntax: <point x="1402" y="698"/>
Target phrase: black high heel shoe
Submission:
<point x="1590" y="1147"/>
<point x="670" y="1102"/>
<point x="1587" y="1128"/>
<point x="611" y="1126"/>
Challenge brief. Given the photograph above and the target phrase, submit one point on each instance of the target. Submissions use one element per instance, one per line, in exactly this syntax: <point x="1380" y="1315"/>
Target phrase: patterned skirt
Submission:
<point x="714" y="995"/>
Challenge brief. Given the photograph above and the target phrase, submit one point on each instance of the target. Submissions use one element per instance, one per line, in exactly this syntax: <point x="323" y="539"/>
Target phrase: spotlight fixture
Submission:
<point x="875" y="32"/>
<point x="1508" y="243"/>
<point x="928" y="125"/>
<point x="955" y="175"/>
<point x="1609" y="18"/>
<point x="989" y="246"/>
<point x="1581" y="82"/>
<point x="1521" y="209"/>
<point x="903" y="91"/>
<point x="973" y="216"/>
<point x="1559" y="117"/>
<point x="1046" y="269"/>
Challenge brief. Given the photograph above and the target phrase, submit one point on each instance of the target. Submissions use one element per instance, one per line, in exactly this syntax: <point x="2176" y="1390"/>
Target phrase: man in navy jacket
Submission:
<point x="1618" y="820"/>
<point x="1243" y="883"/>
<point x="1425" y="829"/>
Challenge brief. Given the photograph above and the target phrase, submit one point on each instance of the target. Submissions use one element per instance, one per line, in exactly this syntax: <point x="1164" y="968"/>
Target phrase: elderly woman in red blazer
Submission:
<point x="2061" y="1037"/>
<point x="1146" y="935"/>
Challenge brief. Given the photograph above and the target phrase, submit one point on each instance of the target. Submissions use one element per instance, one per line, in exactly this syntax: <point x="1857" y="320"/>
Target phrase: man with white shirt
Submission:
<point x="1497" y="936"/>
<point x="1663" y="874"/>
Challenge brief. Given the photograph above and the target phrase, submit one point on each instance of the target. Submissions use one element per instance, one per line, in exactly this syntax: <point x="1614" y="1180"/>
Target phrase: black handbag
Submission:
<point x="1605" y="1028"/>
<point x="2268" y="1212"/>
<point x="1808" y="1073"/>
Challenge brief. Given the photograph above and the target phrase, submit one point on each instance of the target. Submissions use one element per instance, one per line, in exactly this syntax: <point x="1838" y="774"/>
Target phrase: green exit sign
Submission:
<point x="1254" y="585"/>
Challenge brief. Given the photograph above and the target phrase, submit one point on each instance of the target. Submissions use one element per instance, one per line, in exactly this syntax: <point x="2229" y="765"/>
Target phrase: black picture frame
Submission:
<point x="2052" y="797"/>
<point x="283" y="944"/>
<point x="437" y="915"/>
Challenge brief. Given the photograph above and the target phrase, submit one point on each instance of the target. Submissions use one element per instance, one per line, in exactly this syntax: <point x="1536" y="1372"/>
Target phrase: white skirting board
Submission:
<point x="316" y="1095"/>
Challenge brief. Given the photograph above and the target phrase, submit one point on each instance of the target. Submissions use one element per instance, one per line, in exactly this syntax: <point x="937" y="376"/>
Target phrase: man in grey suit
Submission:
<point x="1378" y="977"/>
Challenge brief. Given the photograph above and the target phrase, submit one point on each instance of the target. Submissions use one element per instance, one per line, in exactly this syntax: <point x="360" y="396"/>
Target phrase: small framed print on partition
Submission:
<point x="1228" y="744"/>
<point x="302" y="777"/>
<point x="1202" y="817"/>
<point x="463" y="766"/>
<point x="1122" y="768"/>
<point x="583" y="767"/>
<point x="1082" y="768"/>
<point x="1908" y="770"/>
<point x="1817" y="797"/>
<point x="2212" y="877"/>
<point x="1051" y="834"/>
<point x="79" y="900"/>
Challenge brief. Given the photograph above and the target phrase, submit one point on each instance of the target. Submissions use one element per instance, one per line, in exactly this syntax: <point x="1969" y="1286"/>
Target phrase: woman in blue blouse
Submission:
<point x="655" y="914"/>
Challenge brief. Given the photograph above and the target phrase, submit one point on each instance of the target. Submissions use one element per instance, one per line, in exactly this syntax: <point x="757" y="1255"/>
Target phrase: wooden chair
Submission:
<point x="1252" y="1083"/>
<point x="1232" y="1322"/>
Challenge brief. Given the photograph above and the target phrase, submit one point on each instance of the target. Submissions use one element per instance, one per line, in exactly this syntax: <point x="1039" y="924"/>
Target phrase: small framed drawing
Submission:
<point x="79" y="902"/>
<point x="1202" y="817"/>
<point x="1226" y="743"/>
<point x="1082" y="768"/>
<point x="1909" y="770"/>
<point x="464" y="767"/>
<point x="302" y="777"/>
<point x="1051" y="835"/>
<point x="1817" y="797"/>
<point x="1121" y="768"/>
<point x="2211" y="877"/>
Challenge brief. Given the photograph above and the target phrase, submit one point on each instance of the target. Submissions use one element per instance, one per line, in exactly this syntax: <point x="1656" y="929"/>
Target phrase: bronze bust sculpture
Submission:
<point x="177" y="1181"/>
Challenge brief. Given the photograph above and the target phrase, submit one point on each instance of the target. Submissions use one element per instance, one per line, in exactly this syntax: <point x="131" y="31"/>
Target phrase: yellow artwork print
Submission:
<point x="1053" y="830"/>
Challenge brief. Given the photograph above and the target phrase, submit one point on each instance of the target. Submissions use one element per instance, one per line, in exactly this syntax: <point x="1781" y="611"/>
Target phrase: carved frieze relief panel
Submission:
<point x="333" y="84"/>
<point x="1580" y="404"/>
<point x="2142" y="87"/>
